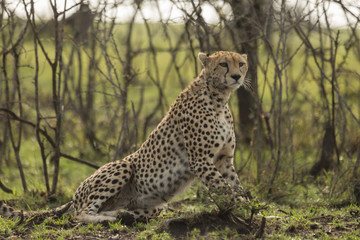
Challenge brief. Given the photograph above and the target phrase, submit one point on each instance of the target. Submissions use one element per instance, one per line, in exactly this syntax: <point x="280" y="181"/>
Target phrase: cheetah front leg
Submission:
<point x="226" y="167"/>
<point x="224" y="162"/>
<point x="203" y="145"/>
<point x="203" y="167"/>
<point x="220" y="190"/>
<point x="202" y="163"/>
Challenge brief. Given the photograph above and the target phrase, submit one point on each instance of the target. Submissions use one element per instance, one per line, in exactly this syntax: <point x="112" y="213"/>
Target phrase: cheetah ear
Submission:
<point x="244" y="56"/>
<point x="203" y="58"/>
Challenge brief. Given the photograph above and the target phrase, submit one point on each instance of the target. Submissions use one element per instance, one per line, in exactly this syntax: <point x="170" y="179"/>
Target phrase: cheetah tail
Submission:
<point x="59" y="211"/>
<point x="8" y="212"/>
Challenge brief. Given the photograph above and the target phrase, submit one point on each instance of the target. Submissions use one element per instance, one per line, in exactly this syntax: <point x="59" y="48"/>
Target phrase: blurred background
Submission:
<point x="83" y="83"/>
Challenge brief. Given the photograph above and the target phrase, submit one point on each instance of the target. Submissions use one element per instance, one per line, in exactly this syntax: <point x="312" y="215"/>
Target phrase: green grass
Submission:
<point x="312" y="219"/>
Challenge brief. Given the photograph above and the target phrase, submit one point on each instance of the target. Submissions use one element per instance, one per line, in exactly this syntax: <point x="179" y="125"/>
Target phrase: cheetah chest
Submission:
<point x="225" y="127"/>
<point x="165" y="174"/>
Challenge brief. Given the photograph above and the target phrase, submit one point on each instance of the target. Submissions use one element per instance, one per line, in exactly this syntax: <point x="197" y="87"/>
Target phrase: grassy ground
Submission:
<point x="295" y="211"/>
<point x="193" y="215"/>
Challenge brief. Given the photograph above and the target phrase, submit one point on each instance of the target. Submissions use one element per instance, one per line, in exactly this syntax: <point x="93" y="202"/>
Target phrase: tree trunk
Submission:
<point x="247" y="33"/>
<point x="253" y="13"/>
<point x="327" y="152"/>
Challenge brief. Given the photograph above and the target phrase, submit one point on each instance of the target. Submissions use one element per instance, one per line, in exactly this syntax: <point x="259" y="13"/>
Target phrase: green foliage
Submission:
<point x="148" y="234"/>
<point x="194" y="234"/>
<point x="117" y="226"/>
<point x="7" y="227"/>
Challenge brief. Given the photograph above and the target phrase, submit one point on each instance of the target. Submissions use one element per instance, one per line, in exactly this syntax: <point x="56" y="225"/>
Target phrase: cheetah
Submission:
<point x="195" y="139"/>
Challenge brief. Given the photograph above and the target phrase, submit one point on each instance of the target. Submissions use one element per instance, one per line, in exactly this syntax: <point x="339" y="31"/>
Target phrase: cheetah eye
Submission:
<point x="223" y="64"/>
<point x="241" y="64"/>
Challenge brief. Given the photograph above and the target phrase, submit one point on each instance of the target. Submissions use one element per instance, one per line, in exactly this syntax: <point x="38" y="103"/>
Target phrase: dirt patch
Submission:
<point x="106" y="235"/>
<point x="211" y="221"/>
<point x="321" y="226"/>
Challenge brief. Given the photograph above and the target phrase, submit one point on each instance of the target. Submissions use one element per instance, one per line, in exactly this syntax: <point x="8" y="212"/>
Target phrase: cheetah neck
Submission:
<point x="219" y="99"/>
<point x="219" y="95"/>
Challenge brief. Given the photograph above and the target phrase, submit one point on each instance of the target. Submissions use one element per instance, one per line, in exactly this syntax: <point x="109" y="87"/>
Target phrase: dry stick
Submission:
<point x="47" y="136"/>
<point x="89" y="108"/>
<point x="353" y="40"/>
<point x="56" y="86"/>
<point x="135" y="114"/>
<point x="157" y="107"/>
<point x="31" y="19"/>
<point x="4" y="137"/>
<point x="345" y="9"/>
<point x="191" y="45"/>
<point x="340" y="68"/>
<point x="190" y="19"/>
<point x="78" y="89"/>
<point x="121" y="94"/>
<point x="268" y="135"/>
<point x="16" y="146"/>
<point x="4" y="188"/>
<point x="135" y="126"/>
<point x="321" y="83"/>
<point x="200" y="23"/>
<point x="33" y="27"/>
<point x="333" y="54"/>
<point x="12" y="29"/>
<point x="3" y="145"/>
<point x="85" y="110"/>
<point x="357" y="163"/>
<point x="20" y="38"/>
<point x="323" y="75"/>
<point x="79" y="160"/>
<point x="279" y="76"/>
<point x="259" y="233"/>
<point x="307" y="42"/>
<point x="290" y="128"/>
<point x="156" y="80"/>
<point x="128" y="77"/>
<point x="69" y="80"/>
<point x="115" y="85"/>
<point x="173" y="51"/>
<point x="327" y="144"/>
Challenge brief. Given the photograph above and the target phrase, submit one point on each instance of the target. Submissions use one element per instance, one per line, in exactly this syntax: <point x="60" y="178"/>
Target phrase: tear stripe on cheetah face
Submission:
<point x="195" y="139"/>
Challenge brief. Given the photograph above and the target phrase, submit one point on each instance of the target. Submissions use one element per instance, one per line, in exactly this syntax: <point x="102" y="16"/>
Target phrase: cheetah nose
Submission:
<point x="235" y="76"/>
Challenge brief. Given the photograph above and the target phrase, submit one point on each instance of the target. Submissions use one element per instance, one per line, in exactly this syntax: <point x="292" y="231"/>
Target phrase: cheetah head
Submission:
<point x="224" y="70"/>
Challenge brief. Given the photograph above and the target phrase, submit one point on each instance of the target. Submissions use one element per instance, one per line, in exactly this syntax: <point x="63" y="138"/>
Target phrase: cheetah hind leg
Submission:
<point x="100" y="205"/>
<point x="129" y="217"/>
